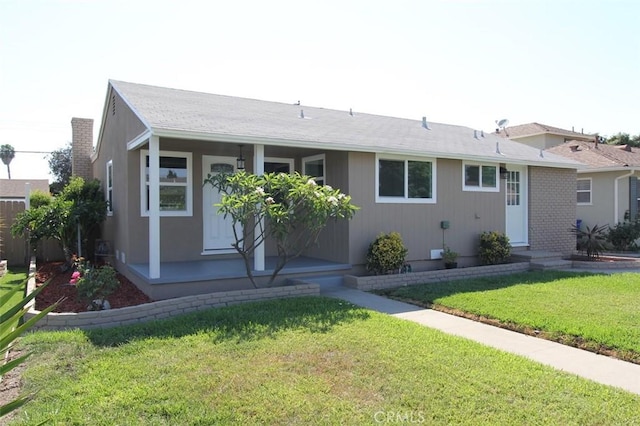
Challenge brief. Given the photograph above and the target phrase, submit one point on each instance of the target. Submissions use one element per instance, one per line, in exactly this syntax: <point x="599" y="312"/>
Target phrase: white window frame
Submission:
<point x="480" y="188"/>
<point x="189" y="186"/>
<point x="406" y="199"/>
<point x="590" y="191"/>
<point x="309" y="159"/>
<point x="109" y="187"/>
<point x="288" y="161"/>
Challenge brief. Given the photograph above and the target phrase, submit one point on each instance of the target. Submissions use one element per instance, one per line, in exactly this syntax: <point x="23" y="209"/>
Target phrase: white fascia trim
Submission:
<point x="139" y="141"/>
<point x="609" y="169"/>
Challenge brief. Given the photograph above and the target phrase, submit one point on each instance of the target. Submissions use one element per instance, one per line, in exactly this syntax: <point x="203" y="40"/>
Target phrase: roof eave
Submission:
<point x="139" y="141"/>
<point x="609" y="169"/>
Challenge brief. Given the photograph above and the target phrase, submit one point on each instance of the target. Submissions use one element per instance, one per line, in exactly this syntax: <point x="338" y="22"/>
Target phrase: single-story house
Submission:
<point x="607" y="188"/>
<point x="159" y="144"/>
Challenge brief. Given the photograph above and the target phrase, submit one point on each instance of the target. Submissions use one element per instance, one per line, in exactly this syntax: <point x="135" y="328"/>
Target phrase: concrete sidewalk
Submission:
<point x="599" y="368"/>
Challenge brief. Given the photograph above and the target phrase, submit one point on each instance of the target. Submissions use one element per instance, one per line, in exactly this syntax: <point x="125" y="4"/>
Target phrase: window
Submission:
<point x="480" y="177"/>
<point x="109" y="191"/>
<point x="175" y="183"/>
<point x="314" y="166"/>
<point x="584" y="191"/>
<point x="278" y="165"/>
<point x="400" y="180"/>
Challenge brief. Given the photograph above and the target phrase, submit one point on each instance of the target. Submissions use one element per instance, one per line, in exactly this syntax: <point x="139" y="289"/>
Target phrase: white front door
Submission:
<point x="516" y="216"/>
<point x="217" y="230"/>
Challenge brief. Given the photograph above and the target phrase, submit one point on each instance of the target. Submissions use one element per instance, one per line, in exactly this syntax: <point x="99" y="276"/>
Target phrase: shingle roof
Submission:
<point x="181" y="113"/>
<point x="15" y="188"/>
<point x="602" y="156"/>
<point x="531" y="129"/>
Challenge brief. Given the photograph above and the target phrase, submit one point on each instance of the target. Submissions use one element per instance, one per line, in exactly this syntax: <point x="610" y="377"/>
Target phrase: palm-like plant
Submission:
<point x="7" y="153"/>
<point x="11" y="329"/>
<point x="592" y="240"/>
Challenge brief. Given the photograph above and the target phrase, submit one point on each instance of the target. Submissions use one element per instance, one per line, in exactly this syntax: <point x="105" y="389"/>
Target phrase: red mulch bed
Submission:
<point x="126" y="295"/>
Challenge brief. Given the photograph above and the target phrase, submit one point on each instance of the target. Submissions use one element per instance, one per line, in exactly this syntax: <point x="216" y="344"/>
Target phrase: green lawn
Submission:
<point x="15" y="277"/>
<point x="604" y="310"/>
<point x="301" y="361"/>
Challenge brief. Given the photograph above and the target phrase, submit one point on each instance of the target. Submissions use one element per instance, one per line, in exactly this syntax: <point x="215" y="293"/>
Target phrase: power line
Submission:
<point x="34" y="152"/>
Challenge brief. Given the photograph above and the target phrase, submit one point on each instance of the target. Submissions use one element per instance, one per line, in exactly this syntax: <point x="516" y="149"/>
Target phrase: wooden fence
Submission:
<point x="15" y="250"/>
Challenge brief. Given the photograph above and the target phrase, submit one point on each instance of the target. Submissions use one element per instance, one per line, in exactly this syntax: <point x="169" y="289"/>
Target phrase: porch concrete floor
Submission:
<point x="212" y="269"/>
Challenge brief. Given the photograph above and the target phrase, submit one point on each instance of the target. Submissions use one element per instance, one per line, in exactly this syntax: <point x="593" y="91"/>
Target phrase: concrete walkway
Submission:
<point x="599" y="368"/>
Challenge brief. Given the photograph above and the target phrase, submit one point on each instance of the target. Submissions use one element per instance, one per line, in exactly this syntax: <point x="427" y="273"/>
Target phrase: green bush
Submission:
<point x="386" y="254"/>
<point x="39" y="198"/>
<point x="94" y="284"/>
<point x="624" y="235"/>
<point x="494" y="248"/>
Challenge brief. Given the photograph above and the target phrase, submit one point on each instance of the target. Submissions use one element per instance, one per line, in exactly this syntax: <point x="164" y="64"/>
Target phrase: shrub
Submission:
<point x="39" y="198"/>
<point x="94" y="284"/>
<point x="623" y="236"/>
<point x="592" y="240"/>
<point x="494" y="248"/>
<point x="386" y="253"/>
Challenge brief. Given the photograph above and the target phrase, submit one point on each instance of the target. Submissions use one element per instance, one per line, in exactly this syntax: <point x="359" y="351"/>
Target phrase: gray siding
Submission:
<point x="469" y="213"/>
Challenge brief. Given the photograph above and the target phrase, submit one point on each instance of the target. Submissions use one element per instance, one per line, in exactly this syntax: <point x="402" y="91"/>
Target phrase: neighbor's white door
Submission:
<point x="218" y="232"/>
<point x="516" y="216"/>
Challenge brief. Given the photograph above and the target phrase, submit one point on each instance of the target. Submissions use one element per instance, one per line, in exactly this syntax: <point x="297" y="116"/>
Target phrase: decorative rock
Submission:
<point x="99" y="305"/>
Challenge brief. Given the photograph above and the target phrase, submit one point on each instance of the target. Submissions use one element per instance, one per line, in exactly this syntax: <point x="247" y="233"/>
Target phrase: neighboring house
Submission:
<point x="13" y="196"/>
<point x="17" y="189"/>
<point x="405" y="175"/>
<point x="606" y="185"/>
<point x="607" y="188"/>
<point x="541" y="136"/>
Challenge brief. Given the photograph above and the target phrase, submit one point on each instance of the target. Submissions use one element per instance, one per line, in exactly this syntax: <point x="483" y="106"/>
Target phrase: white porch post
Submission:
<point x="154" y="207"/>
<point x="258" y="169"/>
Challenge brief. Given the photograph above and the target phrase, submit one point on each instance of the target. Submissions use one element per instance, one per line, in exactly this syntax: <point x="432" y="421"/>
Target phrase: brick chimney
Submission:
<point x="81" y="147"/>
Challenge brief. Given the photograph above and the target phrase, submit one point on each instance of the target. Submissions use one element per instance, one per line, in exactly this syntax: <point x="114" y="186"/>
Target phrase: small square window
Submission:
<point x="480" y="177"/>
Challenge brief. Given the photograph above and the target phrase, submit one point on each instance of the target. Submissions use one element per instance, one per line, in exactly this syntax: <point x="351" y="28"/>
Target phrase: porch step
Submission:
<point x="535" y="256"/>
<point x="550" y="264"/>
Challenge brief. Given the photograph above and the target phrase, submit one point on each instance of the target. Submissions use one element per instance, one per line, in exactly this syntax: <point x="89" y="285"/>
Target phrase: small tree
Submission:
<point x="60" y="166"/>
<point x="7" y="153"/>
<point x="80" y="205"/>
<point x="295" y="207"/>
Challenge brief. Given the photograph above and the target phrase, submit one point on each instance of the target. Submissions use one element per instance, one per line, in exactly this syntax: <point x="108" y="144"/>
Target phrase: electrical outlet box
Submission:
<point x="436" y="254"/>
<point x="444" y="224"/>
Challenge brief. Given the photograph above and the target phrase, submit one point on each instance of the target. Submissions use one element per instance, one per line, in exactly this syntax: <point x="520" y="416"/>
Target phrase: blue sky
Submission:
<point x="467" y="62"/>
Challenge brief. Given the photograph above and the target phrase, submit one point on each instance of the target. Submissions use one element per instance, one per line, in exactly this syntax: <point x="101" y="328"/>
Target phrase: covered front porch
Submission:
<point x="212" y="275"/>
